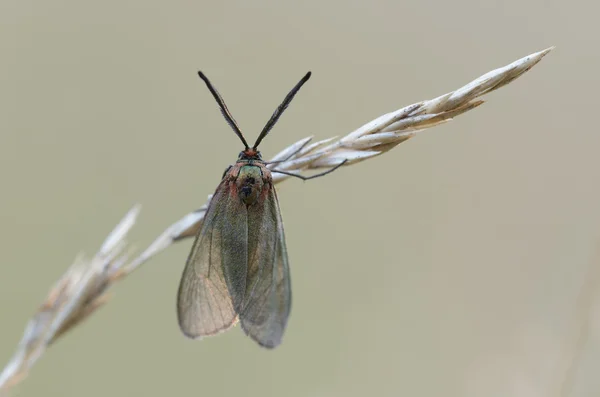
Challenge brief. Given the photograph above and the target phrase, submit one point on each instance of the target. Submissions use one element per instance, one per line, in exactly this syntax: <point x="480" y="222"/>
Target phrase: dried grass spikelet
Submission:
<point x="82" y="289"/>
<point x="76" y="295"/>
<point x="370" y="140"/>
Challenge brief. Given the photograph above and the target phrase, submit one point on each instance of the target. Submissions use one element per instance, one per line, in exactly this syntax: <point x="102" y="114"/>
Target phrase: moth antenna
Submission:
<point x="224" y="111"/>
<point x="280" y="110"/>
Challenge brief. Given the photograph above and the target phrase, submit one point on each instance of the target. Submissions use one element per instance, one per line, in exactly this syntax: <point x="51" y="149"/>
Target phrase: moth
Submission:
<point x="238" y="268"/>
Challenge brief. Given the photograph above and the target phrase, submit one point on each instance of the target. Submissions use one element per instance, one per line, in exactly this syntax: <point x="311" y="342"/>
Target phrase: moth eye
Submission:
<point x="226" y="171"/>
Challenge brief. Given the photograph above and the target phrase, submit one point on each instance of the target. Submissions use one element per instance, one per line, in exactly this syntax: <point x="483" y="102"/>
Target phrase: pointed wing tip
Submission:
<point x="188" y="333"/>
<point x="269" y="346"/>
<point x="199" y="336"/>
<point x="269" y="343"/>
<point x="191" y="336"/>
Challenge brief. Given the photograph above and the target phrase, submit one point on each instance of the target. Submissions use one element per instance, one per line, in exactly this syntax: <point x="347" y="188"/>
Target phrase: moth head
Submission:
<point x="250" y="154"/>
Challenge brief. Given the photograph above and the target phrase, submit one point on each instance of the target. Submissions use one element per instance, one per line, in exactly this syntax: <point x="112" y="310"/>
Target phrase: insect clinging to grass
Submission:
<point x="238" y="268"/>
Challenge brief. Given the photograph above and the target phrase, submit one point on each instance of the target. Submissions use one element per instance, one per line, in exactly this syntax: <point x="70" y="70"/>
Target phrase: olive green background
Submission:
<point x="450" y="266"/>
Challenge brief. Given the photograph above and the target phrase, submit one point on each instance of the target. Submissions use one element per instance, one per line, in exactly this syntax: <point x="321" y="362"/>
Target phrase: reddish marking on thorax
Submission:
<point x="250" y="152"/>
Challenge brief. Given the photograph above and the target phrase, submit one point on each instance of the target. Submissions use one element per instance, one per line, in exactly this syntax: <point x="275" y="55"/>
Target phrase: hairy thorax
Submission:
<point x="251" y="181"/>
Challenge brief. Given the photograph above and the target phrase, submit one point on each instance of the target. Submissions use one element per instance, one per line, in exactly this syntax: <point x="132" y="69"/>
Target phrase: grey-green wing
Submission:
<point x="268" y="299"/>
<point x="214" y="277"/>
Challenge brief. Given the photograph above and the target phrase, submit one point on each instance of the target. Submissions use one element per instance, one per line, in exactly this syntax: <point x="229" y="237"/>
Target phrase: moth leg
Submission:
<point x="306" y="178"/>
<point x="226" y="171"/>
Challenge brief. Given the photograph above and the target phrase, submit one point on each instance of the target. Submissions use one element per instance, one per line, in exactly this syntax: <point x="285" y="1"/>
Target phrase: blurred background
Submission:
<point x="451" y="266"/>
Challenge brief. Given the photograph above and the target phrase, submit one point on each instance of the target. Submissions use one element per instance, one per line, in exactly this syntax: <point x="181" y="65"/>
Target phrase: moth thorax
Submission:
<point x="249" y="184"/>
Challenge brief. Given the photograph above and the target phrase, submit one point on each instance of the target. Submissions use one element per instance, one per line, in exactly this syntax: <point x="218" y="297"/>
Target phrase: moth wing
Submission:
<point x="268" y="295"/>
<point x="213" y="281"/>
